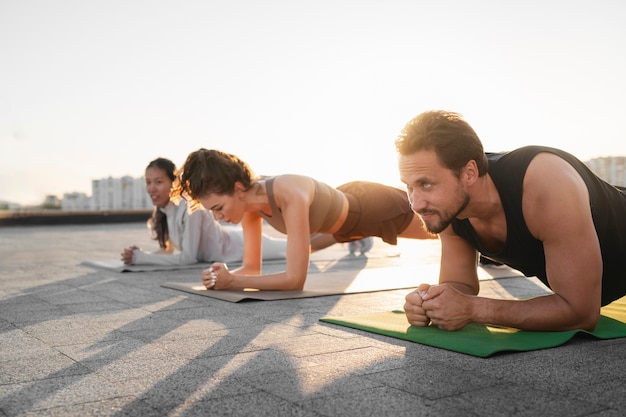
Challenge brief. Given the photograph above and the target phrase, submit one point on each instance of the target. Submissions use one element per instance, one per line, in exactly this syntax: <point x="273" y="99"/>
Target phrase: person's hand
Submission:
<point x="208" y="278"/>
<point x="217" y="277"/>
<point x="128" y="254"/>
<point x="446" y="307"/>
<point x="415" y="313"/>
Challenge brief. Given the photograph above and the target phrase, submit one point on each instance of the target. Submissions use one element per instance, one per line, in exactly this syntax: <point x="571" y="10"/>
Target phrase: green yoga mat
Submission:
<point x="482" y="340"/>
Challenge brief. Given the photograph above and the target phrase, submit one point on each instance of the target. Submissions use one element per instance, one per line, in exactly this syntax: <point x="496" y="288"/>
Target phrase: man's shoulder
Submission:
<point x="509" y="162"/>
<point x="528" y="150"/>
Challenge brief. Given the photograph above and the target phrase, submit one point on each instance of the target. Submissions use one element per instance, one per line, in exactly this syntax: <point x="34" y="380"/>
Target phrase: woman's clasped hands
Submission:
<point x="217" y="277"/>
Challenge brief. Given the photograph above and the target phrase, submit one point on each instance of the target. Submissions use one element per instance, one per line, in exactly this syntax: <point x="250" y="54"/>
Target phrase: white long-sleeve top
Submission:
<point x="196" y="237"/>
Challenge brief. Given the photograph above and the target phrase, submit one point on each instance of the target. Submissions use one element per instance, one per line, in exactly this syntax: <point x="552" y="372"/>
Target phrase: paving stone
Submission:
<point x="512" y="399"/>
<point x="309" y="382"/>
<point x="55" y="392"/>
<point x="379" y="401"/>
<point x="126" y="406"/>
<point x="50" y="364"/>
<point x="254" y="404"/>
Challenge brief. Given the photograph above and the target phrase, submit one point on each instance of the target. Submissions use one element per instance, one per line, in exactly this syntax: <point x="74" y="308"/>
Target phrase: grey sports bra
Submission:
<point x="323" y="213"/>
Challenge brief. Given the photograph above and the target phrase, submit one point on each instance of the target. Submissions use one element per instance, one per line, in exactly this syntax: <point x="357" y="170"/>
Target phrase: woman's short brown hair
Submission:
<point x="212" y="172"/>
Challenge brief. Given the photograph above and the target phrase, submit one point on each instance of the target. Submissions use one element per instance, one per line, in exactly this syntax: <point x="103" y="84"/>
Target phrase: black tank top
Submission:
<point x="525" y="253"/>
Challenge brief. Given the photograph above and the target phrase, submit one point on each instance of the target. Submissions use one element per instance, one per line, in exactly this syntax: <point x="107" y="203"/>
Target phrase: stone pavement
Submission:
<point x="81" y="342"/>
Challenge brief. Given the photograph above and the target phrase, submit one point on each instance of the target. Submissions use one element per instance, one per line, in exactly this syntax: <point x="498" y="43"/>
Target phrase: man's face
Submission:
<point x="435" y="193"/>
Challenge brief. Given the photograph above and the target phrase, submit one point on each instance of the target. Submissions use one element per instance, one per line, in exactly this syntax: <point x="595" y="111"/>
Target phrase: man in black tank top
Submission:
<point x="537" y="209"/>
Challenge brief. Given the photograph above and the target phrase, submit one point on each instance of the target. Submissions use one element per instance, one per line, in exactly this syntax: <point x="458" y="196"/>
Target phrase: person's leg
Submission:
<point x="362" y="245"/>
<point x="367" y="243"/>
<point x="321" y="241"/>
<point x="382" y="211"/>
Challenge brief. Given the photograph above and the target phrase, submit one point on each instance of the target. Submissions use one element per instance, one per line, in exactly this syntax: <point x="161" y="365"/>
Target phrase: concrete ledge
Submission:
<point x="50" y="217"/>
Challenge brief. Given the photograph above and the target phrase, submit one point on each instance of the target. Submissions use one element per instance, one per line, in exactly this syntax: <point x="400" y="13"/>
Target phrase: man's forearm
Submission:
<point x="545" y="313"/>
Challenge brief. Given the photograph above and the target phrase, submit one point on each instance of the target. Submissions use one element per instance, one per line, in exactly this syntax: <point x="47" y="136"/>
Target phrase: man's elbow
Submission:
<point x="588" y="321"/>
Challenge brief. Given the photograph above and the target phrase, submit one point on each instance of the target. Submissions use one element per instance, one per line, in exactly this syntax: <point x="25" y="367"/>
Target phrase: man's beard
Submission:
<point x="447" y="217"/>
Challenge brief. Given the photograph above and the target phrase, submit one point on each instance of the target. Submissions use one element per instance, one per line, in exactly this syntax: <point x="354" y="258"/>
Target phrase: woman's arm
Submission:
<point x="294" y="196"/>
<point x="185" y="229"/>
<point x="252" y="226"/>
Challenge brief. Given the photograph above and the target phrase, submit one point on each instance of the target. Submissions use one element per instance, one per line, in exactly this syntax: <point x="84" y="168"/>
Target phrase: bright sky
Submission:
<point x="91" y="89"/>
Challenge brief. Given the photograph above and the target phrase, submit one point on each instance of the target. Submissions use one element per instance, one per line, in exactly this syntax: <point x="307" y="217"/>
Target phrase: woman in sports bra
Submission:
<point x="312" y="214"/>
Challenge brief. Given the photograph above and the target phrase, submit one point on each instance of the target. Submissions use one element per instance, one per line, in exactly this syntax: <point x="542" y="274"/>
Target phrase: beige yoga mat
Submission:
<point x="342" y="282"/>
<point x="119" y="266"/>
<point x="318" y="259"/>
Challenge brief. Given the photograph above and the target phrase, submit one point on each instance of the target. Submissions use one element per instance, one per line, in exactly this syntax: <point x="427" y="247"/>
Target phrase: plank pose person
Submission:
<point x="296" y="205"/>
<point x="537" y="209"/>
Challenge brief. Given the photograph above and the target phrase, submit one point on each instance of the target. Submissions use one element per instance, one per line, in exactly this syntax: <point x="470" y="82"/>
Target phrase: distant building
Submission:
<point x="108" y="194"/>
<point x="134" y="194"/>
<point x="7" y="205"/>
<point x="51" y="202"/>
<point x="103" y="195"/>
<point x="75" y="202"/>
<point x="126" y="193"/>
<point x="612" y="169"/>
